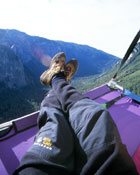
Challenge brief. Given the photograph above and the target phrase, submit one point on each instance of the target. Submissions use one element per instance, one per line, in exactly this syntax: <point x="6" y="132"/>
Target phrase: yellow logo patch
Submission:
<point x="47" y="141"/>
<point x="44" y="142"/>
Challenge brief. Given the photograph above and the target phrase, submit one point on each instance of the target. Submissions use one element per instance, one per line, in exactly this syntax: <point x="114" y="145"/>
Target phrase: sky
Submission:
<point x="108" y="25"/>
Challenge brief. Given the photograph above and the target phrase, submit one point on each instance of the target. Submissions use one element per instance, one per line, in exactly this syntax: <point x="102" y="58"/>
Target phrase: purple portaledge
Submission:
<point x="125" y="112"/>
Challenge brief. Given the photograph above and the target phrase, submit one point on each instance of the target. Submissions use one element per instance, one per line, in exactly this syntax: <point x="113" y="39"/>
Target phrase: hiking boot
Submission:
<point x="70" y="69"/>
<point x="56" y="66"/>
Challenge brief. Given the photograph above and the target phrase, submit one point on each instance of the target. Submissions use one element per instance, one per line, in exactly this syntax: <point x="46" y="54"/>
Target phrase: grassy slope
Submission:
<point x="128" y="77"/>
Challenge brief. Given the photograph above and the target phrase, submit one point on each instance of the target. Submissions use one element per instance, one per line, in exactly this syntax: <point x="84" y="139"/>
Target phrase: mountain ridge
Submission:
<point x="34" y="55"/>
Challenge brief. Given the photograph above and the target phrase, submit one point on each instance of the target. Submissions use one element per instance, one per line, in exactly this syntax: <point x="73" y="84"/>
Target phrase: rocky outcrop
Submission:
<point x="11" y="69"/>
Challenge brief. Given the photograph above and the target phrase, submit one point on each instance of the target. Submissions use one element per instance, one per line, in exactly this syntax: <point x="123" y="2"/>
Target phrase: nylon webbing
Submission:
<point x="110" y="103"/>
<point x="129" y="51"/>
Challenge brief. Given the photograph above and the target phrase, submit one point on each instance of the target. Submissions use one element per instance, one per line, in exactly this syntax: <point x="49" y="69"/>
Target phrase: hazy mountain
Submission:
<point x="23" y="58"/>
<point x="35" y="52"/>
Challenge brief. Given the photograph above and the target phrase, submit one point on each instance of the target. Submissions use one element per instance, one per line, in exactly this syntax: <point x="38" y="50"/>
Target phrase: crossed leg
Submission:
<point x="86" y="142"/>
<point x="52" y="150"/>
<point x="96" y="134"/>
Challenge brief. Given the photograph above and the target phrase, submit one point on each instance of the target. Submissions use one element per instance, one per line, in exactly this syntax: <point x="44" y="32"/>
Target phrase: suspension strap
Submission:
<point x="129" y="51"/>
<point x="110" y="103"/>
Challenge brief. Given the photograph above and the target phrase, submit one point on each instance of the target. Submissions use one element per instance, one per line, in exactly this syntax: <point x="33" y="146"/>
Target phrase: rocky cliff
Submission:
<point x="11" y="69"/>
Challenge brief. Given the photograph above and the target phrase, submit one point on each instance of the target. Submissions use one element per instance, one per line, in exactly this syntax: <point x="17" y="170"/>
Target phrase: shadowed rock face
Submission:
<point x="11" y="69"/>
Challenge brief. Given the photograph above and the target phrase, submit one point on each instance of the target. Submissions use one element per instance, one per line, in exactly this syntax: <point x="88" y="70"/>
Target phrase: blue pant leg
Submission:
<point x="98" y="146"/>
<point x="50" y="100"/>
<point x="66" y="94"/>
<point x="99" y="138"/>
<point x="52" y="150"/>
